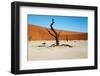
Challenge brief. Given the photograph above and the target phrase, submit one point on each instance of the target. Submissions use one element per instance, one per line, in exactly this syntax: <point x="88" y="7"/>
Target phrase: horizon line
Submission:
<point x="56" y="28"/>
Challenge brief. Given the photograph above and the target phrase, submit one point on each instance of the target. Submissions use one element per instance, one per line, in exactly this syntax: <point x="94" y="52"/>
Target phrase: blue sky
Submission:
<point x="72" y="23"/>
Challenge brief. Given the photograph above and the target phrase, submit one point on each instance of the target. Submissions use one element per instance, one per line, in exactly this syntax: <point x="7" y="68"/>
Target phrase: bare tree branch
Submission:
<point x="53" y="30"/>
<point x="51" y="25"/>
<point x="51" y="33"/>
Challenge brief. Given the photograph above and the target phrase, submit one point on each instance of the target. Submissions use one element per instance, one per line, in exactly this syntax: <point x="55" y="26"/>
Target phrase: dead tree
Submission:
<point x="67" y="37"/>
<point x="55" y="34"/>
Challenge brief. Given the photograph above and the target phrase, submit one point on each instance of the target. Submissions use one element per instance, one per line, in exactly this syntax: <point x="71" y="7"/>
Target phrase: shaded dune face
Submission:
<point x="36" y="32"/>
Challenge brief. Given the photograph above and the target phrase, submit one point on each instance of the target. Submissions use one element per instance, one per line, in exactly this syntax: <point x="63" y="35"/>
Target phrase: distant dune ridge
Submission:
<point x="36" y="32"/>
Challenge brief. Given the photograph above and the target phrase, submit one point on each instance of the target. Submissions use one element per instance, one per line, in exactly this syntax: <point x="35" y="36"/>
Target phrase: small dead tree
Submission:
<point x="55" y="35"/>
<point x="67" y="37"/>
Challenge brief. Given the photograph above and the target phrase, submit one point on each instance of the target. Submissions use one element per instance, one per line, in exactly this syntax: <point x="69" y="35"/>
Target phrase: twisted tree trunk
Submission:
<point x="55" y="35"/>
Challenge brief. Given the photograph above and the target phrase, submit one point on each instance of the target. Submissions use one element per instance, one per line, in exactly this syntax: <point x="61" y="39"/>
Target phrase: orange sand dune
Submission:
<point x="40" y="33"/>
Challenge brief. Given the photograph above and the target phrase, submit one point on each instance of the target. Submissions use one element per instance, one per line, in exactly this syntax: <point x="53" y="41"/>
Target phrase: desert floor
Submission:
<point x="38" y="51"/>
